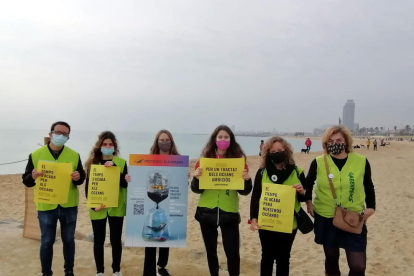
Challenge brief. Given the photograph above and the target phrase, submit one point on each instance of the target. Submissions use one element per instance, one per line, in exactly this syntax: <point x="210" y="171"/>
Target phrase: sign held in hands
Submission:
<point x="103" y="186"/>
<point x="276" y="209"/>
<point x="222" y="173"/>
<point x="53" y="186"/>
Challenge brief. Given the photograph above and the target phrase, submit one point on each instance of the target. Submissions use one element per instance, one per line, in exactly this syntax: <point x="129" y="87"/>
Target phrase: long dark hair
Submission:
<point x="96" y="155"/>
<point x="155" y="149"/>
<point x="234" y="150"/>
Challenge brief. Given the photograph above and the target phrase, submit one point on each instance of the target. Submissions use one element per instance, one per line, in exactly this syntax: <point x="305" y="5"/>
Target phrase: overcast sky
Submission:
<point x="190" y="65"/>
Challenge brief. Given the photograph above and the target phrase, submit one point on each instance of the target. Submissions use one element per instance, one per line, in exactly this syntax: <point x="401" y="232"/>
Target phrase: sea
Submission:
<point x="16" y="145"/>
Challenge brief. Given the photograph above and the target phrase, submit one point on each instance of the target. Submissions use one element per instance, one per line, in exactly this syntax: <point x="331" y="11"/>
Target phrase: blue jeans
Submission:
<point x="48" y="223"/>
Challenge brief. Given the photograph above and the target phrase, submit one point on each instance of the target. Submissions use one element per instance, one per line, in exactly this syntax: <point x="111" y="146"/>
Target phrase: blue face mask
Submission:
<point x="107" y="152"/>
<point x="59" y="140"/>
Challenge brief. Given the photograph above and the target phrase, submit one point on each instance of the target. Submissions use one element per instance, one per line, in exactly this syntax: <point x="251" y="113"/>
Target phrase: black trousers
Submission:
<point x="276" y="246"/>
<point x="150" y="262"/>
<point x="308" y="148"/>
<point x="231" y="244"/>
<point x="99" y="234"/>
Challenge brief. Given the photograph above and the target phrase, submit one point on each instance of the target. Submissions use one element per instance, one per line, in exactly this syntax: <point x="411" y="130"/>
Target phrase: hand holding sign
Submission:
<point x="198" y="172"/>
<point x="36" y="174"/>
<point x="246" y="175"/>
<point x="254" y="226"/>
<point x="75" y="176"/>
<point x="99" y="208"/>
<point x="299" y="188"/>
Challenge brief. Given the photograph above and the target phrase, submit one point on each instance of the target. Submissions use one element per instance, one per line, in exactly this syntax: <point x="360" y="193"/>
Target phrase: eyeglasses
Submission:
<point x="61" y="133"/>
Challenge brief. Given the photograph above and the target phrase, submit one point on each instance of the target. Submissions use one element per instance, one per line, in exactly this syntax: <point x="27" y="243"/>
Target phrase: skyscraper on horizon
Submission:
<point x="348" y="115"/>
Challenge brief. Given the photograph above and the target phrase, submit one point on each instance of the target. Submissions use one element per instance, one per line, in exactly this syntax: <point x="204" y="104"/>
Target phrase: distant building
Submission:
<point x="318" y="131"/>
<point x="325" y="126"/>
<point x="349" y="115"/>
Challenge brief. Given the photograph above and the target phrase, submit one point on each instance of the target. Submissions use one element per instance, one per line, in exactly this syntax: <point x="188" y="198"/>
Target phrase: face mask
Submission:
<point x="336" y="148"/>
<point x="277" y="157"/>
<point x="222" y="144"/>
<point x="107" y="152"/>
<point x="164" y="146"/>
<point x="59" y="140"/>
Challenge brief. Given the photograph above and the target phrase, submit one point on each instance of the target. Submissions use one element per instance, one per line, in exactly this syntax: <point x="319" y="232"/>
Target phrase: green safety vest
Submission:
<point x="66" y="156"/>
<point x="348" y="184"/>
<point x="291" y="180"/>
<point x="119" y="211"/>
<point x="226" y="200"/>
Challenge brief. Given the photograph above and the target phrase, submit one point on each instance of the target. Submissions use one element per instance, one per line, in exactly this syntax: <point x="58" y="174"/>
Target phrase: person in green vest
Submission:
<point x="49" y="214"/>
<point x="220" y="208"/>
<point x="351" y="176"/>
<point x="163" y="144"/>
<point x="278" y="167"/>
<point x="106" y="152"/>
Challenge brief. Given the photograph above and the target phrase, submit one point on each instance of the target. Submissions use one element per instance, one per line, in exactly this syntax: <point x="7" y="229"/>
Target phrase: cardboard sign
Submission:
<point x="222" y="173"/>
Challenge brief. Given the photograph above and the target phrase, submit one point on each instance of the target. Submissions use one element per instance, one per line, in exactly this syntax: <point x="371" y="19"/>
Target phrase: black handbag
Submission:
<point x="305" y="224"/>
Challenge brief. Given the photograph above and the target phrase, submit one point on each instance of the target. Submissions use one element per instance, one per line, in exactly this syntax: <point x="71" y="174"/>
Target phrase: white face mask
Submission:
<point x="59" y="140"/>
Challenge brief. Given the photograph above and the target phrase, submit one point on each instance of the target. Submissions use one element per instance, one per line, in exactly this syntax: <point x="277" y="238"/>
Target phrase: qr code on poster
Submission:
<point x="138" y="209"/>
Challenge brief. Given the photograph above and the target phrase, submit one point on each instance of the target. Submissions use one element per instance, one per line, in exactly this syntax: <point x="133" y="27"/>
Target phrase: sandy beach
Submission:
<point x="390" y="237"/>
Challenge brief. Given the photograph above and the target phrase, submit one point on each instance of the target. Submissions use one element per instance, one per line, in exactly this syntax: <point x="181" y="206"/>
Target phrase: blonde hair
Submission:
<point x="334" y="130"/>
<point x="286" y="146"/>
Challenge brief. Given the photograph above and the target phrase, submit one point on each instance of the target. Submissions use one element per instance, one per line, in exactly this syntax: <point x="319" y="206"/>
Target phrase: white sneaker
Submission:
<point x="117" y="274"/>
<point x="100" y="274"/>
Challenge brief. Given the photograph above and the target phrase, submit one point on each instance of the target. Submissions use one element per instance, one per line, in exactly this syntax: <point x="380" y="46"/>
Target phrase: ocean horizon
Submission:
<point x="16" y="145"/>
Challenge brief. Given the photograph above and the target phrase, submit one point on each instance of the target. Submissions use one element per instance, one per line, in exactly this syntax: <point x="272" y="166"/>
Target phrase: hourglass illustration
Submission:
<point x="156" y="223"/>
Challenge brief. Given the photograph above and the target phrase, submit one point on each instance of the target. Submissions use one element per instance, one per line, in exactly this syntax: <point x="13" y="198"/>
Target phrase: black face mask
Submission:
<point x="277" y="157"/>
<point x="336" y="148"/>
<point x="164" y="146"/>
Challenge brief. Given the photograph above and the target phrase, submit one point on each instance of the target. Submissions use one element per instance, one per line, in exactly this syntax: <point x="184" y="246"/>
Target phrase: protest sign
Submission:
<point x="276" y="209"/>
<point x="103" y="186"/>
<point x="53" y="186"/>
<point x="222" y="173"/>
<point x="157" y="201"/>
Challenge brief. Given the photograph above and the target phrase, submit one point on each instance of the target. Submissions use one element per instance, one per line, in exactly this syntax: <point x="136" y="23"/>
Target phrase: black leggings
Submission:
<point x="276" y="246"/>
<point x="357" y="262"/>
<point x="231" y="242"/>
<point x="99" y="234"/>
<point x="150" y="262"/>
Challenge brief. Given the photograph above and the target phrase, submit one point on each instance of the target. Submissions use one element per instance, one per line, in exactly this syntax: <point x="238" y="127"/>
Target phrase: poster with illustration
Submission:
<point x="157" y="201"/>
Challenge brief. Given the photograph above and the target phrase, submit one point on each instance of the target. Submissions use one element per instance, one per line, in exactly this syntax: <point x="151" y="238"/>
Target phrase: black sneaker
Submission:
<point x="163" y="272"/>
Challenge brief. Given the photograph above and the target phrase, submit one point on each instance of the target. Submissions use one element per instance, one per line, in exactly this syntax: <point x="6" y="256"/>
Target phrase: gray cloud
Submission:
<point x="190" y="65"/>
